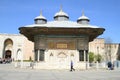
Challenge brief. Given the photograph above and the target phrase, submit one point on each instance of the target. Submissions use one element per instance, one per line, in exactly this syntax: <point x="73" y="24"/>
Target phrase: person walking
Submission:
<point x="71" y="66"/>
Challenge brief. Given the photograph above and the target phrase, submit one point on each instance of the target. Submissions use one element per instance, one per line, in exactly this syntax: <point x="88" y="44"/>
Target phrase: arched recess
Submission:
<point x="62" y="60"/>
<point x="8" y="47"/>
<point x="19" y="54"/>
<point x="62" y="55"/>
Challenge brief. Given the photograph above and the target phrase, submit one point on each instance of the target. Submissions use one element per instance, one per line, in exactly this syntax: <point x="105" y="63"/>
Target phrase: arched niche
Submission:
<point x="19" y="54"/>
<point x="62" y="55"/>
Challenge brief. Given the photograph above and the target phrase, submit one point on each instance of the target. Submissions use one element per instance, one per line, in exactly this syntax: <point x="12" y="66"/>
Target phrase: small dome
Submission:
<point x="40" y="19"/>
<point x="61" y="15"/>
<point x="83" y="19"/>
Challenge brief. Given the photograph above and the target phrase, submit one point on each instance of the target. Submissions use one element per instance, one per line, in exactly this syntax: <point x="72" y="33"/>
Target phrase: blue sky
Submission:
<point x="103" y="13"/>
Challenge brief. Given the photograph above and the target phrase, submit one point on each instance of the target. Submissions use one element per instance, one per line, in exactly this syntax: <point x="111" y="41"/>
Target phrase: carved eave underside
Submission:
<point x="30" y="32"/>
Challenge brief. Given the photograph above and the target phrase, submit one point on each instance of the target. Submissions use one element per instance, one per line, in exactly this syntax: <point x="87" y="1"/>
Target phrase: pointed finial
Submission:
<point x="40" y="12"/>
<point x="83" y="13"/>
<point x="61" y="8"/>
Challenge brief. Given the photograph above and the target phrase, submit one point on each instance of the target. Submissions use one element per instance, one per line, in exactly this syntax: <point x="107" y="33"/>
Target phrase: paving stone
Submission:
<point x="10" y="73"/>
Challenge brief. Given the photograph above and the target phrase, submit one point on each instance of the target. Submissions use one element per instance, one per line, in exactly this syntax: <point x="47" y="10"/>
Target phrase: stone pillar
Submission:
<point x="84" y="56"/>
<point x="85" y="59"/>
<point x="38" y="55"/>
<point x="88" y="60"/>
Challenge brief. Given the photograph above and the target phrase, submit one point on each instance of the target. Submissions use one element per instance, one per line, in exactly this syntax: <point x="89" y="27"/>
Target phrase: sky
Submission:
<point x="103" y="13"/>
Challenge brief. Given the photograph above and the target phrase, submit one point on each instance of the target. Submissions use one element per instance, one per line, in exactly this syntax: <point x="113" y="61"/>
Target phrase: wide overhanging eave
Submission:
<point x="30" y="32"/>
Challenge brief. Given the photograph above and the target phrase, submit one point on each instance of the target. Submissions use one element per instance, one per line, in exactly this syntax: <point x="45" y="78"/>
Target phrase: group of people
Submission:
<point x="110" y="66"/>
<point x="5" y="60"/>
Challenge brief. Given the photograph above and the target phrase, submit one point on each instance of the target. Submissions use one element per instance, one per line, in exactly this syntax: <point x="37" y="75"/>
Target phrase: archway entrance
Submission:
<point x="8" y="54"/>
<point x="8" y="47"/>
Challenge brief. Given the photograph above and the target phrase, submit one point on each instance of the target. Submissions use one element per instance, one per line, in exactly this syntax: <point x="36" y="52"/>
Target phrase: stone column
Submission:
<point x="38" y="55"/>
<point x="87" y="60"/>
<point x="84" y="56"/>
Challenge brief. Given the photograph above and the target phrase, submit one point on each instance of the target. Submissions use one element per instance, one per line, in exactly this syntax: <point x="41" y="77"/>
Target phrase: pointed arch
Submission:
<point x="8" y="41"/>
<point x="8" y="47"/>
<point x="19" y="54"/>
<point x="51" y="54"/>
<point x="72" y="55"/>
<point x="62" y="55"/>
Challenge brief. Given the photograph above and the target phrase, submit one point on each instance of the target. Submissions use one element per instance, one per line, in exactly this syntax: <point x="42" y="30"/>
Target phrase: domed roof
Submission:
<point x="41" y="16"/>
<point x="61" y="13"/>
<point x="83" y="17"/>
<point x="40" y="19"/>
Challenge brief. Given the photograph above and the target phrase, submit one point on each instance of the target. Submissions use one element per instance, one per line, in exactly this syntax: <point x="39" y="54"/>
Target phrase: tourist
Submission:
<point x="110" y="66"/>
<point x="71" y="66"/>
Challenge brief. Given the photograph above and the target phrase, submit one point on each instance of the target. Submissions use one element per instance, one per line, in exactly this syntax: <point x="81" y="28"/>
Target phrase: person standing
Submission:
<point x="71" y="66"/>
<point x="32" y="64"/>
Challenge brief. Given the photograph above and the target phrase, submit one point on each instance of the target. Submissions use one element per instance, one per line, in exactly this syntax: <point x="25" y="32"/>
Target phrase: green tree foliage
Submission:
<point x="98" y="57"/>
<point x="91" y="57"/>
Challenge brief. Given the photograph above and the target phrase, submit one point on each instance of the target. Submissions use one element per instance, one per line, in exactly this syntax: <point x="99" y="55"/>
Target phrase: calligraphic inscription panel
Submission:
<point x="62" y="46"/>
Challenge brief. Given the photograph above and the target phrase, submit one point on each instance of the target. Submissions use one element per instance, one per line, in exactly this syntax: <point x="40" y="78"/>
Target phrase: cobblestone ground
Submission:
<point x="8" y="72"/>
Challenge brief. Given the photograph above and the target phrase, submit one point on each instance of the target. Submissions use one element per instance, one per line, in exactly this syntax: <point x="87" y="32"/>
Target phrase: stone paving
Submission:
<point x="8" y="72"/>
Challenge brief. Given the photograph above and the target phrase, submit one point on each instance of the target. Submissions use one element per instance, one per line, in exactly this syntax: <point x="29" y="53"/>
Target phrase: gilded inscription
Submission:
<point x="62" y="46"/>
<point x="51" y="45"/>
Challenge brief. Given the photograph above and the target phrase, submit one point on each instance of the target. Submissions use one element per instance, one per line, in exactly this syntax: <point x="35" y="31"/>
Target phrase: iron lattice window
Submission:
<point x="81" y="55"/>
<point x="42" y="55"/>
